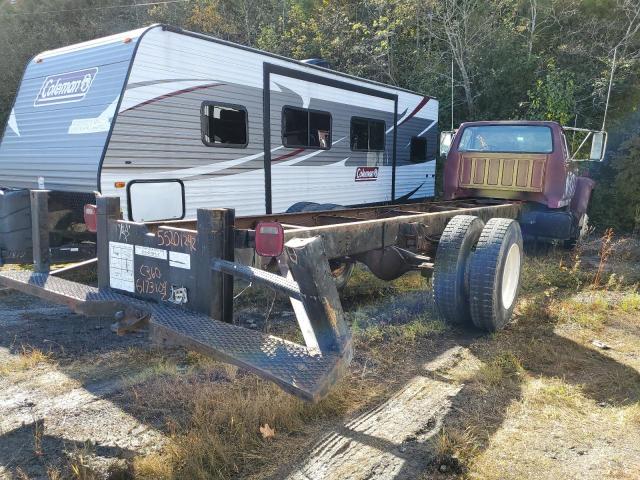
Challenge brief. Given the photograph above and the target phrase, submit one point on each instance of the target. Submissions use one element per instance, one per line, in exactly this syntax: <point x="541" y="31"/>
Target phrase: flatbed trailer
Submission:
<point x="177" y="277"/>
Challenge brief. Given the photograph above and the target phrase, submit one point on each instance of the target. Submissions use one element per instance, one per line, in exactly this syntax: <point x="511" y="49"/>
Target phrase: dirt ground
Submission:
<point x="554" y="395"/>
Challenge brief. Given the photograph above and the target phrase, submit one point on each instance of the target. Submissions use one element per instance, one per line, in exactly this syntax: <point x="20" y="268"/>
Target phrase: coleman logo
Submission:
<point x="366" y="174"/>
<point x="65" y="87"/>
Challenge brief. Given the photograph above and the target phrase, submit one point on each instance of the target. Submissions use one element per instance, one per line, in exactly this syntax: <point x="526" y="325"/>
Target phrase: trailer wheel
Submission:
<point x="494" y="274"/>
<point x="450" y="274"/>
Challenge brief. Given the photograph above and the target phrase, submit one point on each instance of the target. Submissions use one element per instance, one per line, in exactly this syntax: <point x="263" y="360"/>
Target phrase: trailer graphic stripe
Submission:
<point x="289" y="155"/>
<point x="172" y="94"/>
<point x="167" y="80"/>
<point x="422" y="103"/>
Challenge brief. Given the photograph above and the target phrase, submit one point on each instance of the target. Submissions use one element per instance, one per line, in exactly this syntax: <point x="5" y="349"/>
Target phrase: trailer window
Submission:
<point x="306" y="128"/>
<point x="506" y="139"/>
<point x="224" y="125"/>
<point x="367" y="134"/>
<point x="418" y="150"/>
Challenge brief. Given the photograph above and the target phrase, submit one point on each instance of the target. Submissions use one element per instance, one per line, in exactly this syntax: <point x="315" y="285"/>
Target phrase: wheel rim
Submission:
<point x="511" y="276"/>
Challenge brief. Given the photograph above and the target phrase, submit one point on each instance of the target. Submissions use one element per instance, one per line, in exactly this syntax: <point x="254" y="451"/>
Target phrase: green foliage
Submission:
<point x="554" y="97"/>
<point x="538" y="59"/>
<point x="627" y="183"/>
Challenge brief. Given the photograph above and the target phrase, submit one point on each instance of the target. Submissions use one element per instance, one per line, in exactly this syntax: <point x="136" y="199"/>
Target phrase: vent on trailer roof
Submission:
<point x="320" y="62"/>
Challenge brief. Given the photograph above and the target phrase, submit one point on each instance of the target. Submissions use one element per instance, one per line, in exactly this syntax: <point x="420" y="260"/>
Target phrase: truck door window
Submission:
<point x="367" y="134"/>
<point x="224" y="125"/>
<point x="418" y="150"/>
<point x="306" y="128"/>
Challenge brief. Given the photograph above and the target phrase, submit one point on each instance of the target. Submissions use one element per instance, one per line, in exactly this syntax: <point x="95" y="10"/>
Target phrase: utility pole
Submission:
<point x="606" y="106"/>
<point x="451" y="92"/>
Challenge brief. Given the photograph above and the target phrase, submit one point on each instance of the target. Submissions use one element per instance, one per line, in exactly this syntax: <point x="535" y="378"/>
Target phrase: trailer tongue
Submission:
<point x="177" y="278"/>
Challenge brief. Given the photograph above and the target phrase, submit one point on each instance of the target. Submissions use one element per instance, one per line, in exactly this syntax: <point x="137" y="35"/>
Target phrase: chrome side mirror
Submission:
<point x="446" y="138"/>
<point x="598" y="139"/>
<point x="598" y="146"/>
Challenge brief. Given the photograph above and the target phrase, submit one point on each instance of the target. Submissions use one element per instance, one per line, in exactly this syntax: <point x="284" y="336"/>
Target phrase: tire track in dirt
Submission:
<point x="389" y="441"/>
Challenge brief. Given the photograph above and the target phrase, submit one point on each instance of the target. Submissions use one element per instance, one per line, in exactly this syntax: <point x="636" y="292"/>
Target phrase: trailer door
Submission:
<point x="315" y="141"/>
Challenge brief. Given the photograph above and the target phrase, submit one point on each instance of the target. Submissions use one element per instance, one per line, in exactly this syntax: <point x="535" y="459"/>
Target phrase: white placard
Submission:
<point x="180" y="260"/>
<point x="121" y="266"/>
<point x="151" y="252"/>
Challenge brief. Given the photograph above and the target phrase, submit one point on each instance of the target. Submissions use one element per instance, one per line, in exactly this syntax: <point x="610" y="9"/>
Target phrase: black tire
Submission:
<point x="494" y="274"/>
<point x="450" y="274"/>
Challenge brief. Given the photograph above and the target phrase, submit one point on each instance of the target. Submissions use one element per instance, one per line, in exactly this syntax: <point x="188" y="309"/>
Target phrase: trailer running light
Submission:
<point x="91" y="217"/>
<point x="269" y="239"/>
<point x="127" y="40"/>
<point x="119" y="184"/>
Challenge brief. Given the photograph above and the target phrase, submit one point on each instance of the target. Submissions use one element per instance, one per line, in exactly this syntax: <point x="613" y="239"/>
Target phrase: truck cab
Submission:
<point x="529" y="161"/>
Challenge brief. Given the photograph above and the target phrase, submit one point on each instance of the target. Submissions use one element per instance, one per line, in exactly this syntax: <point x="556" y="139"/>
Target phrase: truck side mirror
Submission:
<point x="598" y="146"/>
<point x="446" y="138"/>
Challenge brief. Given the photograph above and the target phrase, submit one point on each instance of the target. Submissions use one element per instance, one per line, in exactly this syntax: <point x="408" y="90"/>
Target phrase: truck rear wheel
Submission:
<point x="450" y="275"/>
<point x="494" y="274"/>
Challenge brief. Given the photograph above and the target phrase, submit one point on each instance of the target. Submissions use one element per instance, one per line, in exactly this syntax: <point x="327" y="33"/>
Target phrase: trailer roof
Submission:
<point x="76" y="47"/>
<point x="281" y="57"/>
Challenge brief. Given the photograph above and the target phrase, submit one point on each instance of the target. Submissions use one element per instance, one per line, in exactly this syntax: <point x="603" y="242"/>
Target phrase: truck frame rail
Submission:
<point x="177" y="278"/>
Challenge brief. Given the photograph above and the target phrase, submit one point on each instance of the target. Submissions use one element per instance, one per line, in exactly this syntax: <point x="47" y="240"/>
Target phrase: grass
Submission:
<point x="27" y="358"/>
<point x="542" y="391"/>
<point x="220" y="435"/>
<point x="496" y="370"/>
<point x="534" y="395"/>
<point x="540" y="370"/>
<point x="215" y="426"/>
<point x="630" y="303"/>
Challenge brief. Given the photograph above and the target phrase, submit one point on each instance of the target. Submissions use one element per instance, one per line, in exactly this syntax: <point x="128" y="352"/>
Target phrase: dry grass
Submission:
<point x="537" y="387"/>
<point x="544" y="401"/>
<point x="27" y="359"/>
<point x="218" y="435"/>
<point x="215" y="425"/>
<point x="539" y="400"/>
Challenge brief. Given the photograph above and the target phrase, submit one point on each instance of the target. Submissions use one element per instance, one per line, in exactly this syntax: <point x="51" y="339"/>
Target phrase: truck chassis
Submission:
<point x="177" y="277"/>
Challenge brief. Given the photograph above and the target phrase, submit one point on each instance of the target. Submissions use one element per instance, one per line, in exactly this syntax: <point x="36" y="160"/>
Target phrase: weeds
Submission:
<point x="28" y="358"/>
<point x="500" y="367"/>
<point x="605" y="251"/>
<point x="220" y="437"/>
<point x="454" y="450"/>
<point x="630" y="303"/>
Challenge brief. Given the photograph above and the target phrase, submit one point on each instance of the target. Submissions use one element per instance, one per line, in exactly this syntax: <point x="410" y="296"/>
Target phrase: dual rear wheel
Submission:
<point x="476" y="276"/>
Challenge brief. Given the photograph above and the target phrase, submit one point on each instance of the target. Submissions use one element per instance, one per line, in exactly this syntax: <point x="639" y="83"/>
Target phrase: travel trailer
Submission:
<point x="171" y="121"/>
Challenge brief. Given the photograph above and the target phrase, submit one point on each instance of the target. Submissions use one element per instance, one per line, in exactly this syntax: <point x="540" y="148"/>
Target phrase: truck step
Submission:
<point x="292" y="366"/>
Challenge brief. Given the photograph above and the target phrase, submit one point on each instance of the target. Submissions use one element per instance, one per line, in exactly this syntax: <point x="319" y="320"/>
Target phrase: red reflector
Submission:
<point x="91" y="217"/>
<point x="269" y="239"/>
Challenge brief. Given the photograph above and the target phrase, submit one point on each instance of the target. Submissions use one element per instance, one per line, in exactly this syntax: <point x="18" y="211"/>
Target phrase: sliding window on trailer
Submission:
<point x="304" y="128"/>
<point x="224" y="125"/>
